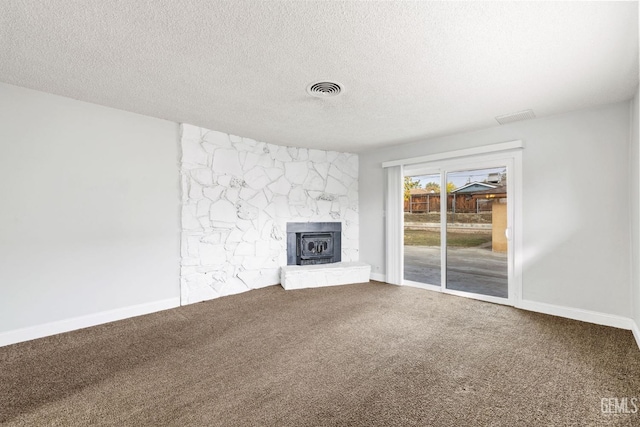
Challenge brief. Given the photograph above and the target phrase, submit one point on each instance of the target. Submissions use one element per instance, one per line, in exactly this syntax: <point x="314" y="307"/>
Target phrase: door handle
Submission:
<point x="507" y="233"/>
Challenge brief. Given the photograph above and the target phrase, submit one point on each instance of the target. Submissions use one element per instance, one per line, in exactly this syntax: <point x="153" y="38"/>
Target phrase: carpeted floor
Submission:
<point x="362" y="355"/>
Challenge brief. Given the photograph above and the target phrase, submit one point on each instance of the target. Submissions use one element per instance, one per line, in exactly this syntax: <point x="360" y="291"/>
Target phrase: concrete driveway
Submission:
<point x="477" y="270"/>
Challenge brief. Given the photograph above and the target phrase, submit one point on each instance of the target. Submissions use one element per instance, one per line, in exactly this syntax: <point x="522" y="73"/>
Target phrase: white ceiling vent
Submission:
<point x="516" y="117"/>
<point x="324" y="89"/>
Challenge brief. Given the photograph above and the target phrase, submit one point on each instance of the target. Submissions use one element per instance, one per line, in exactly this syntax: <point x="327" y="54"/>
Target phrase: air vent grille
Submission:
<point x="324" y="89"/>
<point x="516" y="117"/>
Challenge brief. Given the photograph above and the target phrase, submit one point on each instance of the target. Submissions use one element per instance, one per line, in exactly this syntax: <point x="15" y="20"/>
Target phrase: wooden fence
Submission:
<point x="459" y="203"/>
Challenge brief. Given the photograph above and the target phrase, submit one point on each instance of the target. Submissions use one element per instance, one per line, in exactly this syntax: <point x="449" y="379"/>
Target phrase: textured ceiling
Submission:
<point x="410" y="70"/>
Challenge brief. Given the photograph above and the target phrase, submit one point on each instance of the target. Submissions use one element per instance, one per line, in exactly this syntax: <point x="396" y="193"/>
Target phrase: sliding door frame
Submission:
<point x="441" y="164"/>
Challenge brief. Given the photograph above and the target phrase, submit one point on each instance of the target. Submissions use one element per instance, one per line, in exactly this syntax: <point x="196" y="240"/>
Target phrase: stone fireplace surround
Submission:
<point x="238" y="195"/>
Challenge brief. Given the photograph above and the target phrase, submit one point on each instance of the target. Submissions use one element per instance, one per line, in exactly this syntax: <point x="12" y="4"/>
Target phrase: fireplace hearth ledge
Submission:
<point x="315" y="276"/>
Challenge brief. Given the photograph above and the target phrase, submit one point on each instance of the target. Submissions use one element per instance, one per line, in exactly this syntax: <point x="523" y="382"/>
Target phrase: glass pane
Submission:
<point x="476" y="224"/>
<point x="422" y="229"/>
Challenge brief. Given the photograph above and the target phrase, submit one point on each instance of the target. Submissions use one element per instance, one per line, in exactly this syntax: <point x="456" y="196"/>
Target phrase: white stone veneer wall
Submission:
<point x="237" y="197"/>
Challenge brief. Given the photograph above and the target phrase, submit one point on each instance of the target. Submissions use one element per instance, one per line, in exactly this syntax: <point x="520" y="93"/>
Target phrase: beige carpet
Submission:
<point x="363" y="355"/>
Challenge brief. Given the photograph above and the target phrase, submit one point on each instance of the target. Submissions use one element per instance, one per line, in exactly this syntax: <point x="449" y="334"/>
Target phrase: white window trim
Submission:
<point x="395" y="225"/>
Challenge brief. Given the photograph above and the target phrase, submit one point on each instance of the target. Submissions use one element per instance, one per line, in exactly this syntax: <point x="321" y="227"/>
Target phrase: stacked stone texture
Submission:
<point x="237" y="197"/>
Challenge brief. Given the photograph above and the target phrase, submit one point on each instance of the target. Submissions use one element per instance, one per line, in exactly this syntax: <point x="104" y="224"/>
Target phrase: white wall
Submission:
<point x="89" y="217"/>
<point x="634" y="180"/>
<point x="238" y="195"/>
<point x="575" y="204"/>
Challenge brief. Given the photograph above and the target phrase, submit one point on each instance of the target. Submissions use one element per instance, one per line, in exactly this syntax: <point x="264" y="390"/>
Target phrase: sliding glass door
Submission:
<point x="476" y="241"/>
<point x="457" y="223"/>
<point x="422" y="229"/>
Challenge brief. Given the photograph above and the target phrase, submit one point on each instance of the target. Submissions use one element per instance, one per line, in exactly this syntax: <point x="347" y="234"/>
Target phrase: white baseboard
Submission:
<point x="53" y="328"/>
<point x="636" y="332"/>
<point x="578" y="314"/>
<point x="378" y="277"/>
